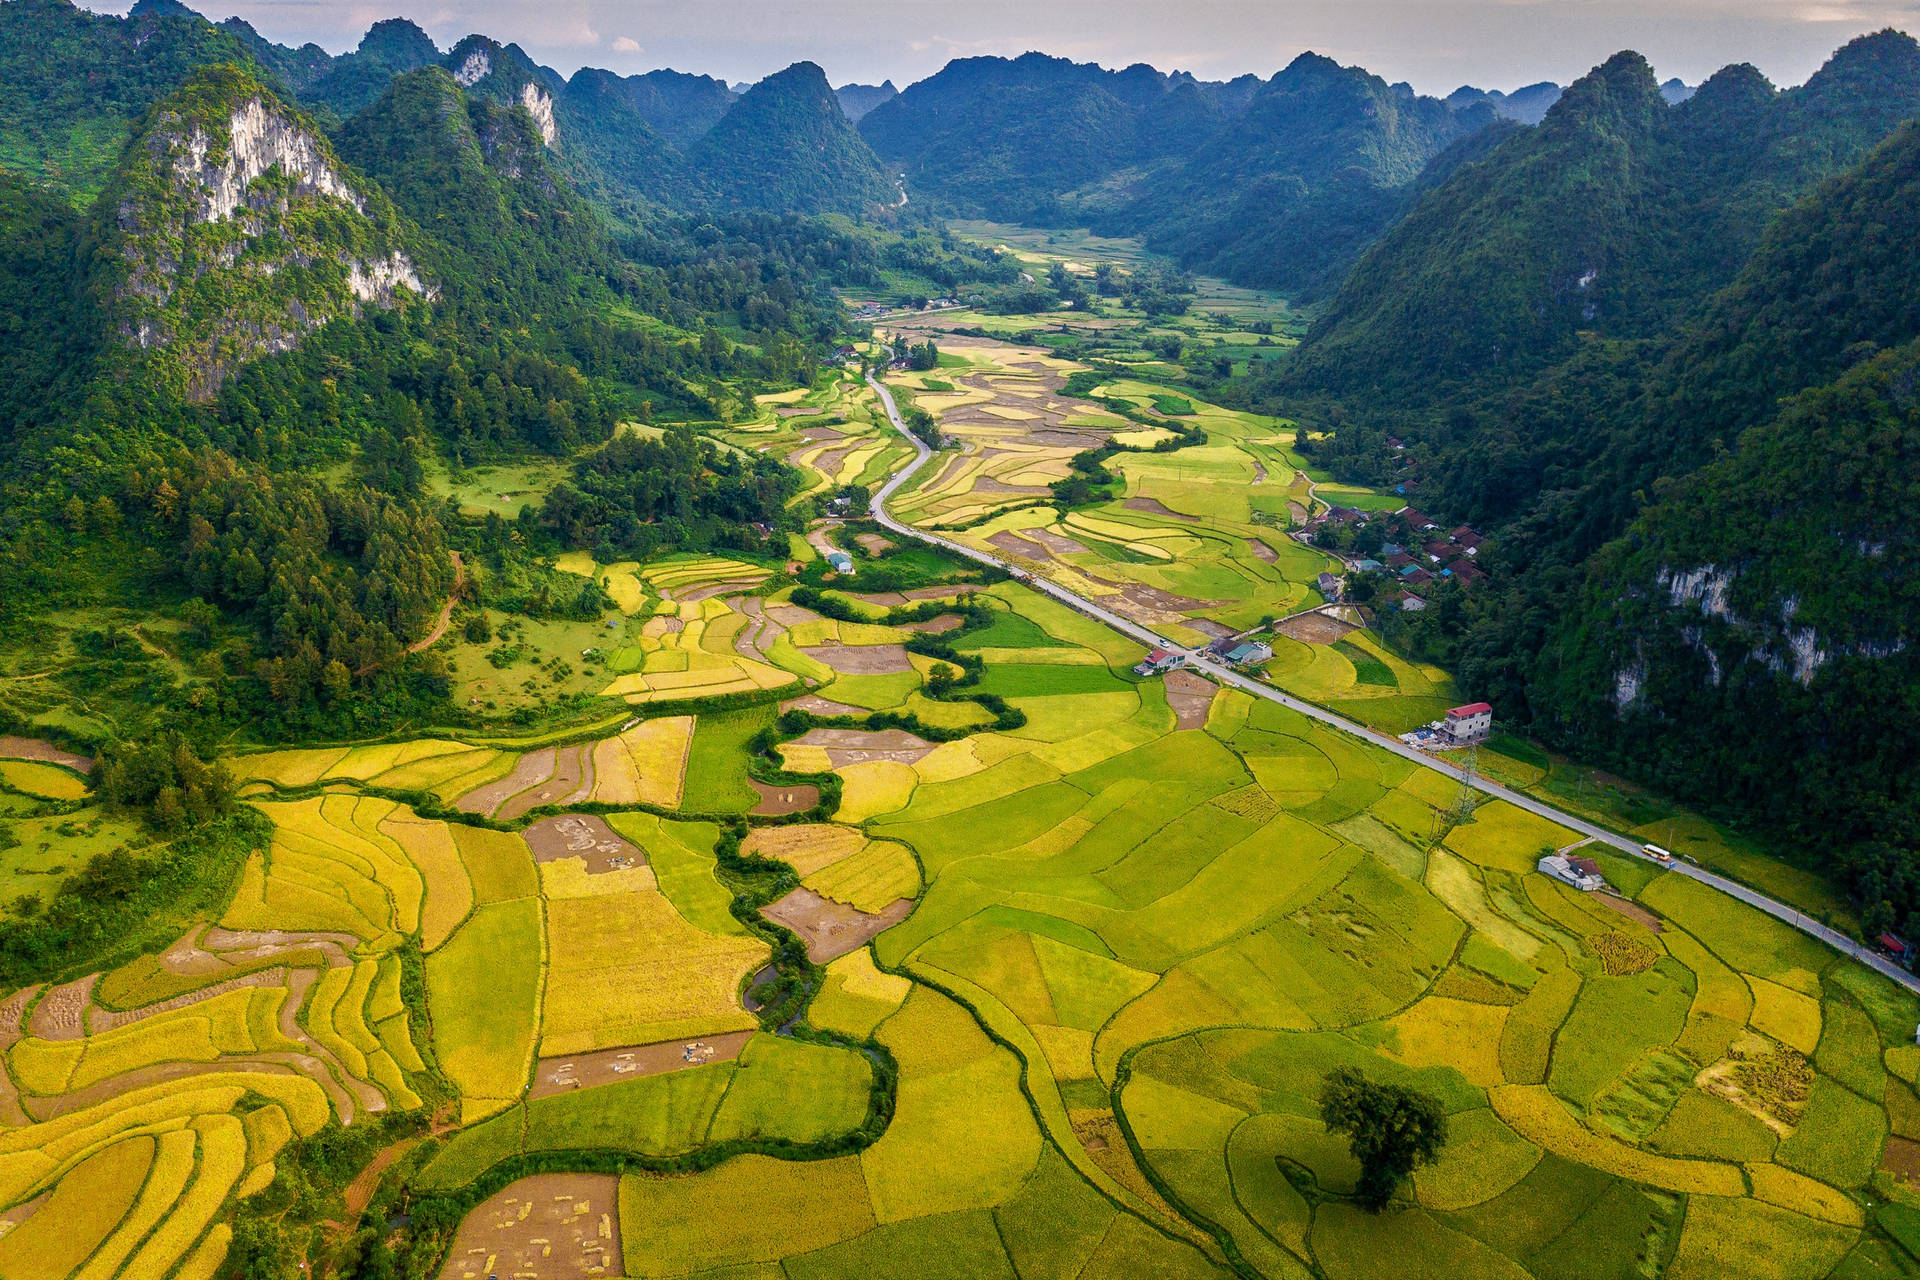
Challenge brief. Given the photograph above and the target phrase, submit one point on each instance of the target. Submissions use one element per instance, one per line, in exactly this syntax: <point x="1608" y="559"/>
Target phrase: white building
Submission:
<point x="1563" y="869"/>
<point x="1471" y="722"/>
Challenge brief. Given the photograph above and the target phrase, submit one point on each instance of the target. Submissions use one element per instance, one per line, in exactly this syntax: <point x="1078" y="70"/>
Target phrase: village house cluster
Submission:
<point x="1410" y="553"/>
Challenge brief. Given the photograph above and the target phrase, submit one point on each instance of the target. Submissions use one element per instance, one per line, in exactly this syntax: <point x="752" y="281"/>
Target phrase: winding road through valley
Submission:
<point x="1199" y="660"/>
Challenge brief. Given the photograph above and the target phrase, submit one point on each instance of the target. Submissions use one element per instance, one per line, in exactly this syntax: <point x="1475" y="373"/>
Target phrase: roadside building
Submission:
<point x="1328" y="585"/>
<point x="1159" y="660"/>
<point x="1250" y="653"/>
<point x="1582" y="873"/>
<point x="1469" y="723"/>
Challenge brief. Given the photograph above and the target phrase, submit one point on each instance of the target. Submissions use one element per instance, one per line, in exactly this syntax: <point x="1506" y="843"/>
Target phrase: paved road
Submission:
<point x="1199" y="660"/>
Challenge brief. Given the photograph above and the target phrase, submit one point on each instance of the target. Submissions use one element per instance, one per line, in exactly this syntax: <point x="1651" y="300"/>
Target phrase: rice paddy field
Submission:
<point x="1053" y="999"/>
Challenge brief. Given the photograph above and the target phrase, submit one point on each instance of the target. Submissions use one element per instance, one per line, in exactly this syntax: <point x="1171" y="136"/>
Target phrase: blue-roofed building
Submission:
<point x="1251" y="653"/>
<point x="841" y="561"/>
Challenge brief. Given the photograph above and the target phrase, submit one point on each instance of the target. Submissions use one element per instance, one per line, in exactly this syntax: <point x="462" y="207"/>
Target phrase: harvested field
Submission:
<point x="1154" y="506"/>
<point x="570" y="783"/>
<point x="1211" y="629"/>
<point x="1016" y="545"/>
<point x="611" y="1066"/>
<point x="549" y="1225"/>
<point x="1902" y="1160"/>
<point x="820" y="706"/>
<point x="18" y="748"/>
<point x="1190" y="696"/>
<point x="1058" y="544"/>
<point x="61" y="1013"/>
<point x="584" y="836"/>
<point x="1315" y="628"/>
<point x="861" y="660"/>
<point x="776" y="801"/>
<point x="534" y="767"/>
<point x="1263" y="552"/>
<point x="1631" y="910"/>
<point x="874" y="542"/>
<point x="10" y="1010"/>
<point x="857" y="746"/>
<point x="935" y="626"/>
<point x="821" y="434"/>
<point x="791" y="615"/>
<point x="831" y="929"/>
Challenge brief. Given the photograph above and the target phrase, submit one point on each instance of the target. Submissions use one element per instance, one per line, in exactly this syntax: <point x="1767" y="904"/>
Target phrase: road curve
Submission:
<point x="1199" y="660"/>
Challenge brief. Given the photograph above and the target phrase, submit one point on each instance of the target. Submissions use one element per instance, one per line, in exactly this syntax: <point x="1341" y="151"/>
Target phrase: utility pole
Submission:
<point x="1469" y="796"/>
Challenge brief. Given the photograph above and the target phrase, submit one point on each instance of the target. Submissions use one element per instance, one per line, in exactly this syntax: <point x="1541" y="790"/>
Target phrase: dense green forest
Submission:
<point x="1680" y="560"/>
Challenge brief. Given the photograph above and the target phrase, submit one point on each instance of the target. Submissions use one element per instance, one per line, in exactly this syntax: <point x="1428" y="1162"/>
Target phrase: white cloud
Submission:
<point x="574" y="34"/>
<point x="626" y="44"/>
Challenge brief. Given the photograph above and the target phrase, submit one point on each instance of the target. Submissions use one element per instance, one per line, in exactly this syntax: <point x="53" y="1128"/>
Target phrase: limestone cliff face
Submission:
<point x="238" y="230"/>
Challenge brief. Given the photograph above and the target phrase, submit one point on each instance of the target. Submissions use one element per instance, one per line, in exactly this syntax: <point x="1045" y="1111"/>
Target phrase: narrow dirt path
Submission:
<point x="446" y="610"/>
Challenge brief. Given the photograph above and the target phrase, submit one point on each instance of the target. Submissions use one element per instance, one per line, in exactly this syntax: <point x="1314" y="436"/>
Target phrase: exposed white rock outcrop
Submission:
<point x="474" y="69"/>
<point x="1626" y="685"/>
<point x="1706" y="586"/>
<point x="377" y="282"/>
<point x="260" y="141"/>
<point x="539" y="105"/>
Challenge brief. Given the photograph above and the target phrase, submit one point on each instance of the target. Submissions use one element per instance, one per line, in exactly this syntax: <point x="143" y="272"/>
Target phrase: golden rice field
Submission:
<point x="1132" y="954"/>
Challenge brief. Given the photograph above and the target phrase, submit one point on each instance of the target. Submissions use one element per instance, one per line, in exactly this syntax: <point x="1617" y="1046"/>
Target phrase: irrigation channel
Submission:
<point x="1200" y="660"/>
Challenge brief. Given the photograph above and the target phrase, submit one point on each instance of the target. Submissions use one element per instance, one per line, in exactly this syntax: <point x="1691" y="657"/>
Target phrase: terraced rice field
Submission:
<point x="1110" y="954"/>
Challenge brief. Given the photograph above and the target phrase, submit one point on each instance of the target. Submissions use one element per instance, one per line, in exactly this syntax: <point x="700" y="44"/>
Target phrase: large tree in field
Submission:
<point x="1393" y="1129"/>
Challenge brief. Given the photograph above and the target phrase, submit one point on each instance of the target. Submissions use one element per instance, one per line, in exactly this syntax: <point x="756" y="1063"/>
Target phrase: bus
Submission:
<point x="1658" y="854"/>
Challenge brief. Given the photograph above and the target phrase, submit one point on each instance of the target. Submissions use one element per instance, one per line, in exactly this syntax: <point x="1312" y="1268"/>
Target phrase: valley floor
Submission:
<point x="1041" y="984"/>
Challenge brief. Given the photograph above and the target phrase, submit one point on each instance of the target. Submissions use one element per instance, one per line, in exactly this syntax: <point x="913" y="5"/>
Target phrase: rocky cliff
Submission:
<point x="234" y="229"/>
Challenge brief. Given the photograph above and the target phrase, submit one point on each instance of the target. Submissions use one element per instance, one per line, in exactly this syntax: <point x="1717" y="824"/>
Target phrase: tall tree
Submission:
<point x="1393" y="1129"/>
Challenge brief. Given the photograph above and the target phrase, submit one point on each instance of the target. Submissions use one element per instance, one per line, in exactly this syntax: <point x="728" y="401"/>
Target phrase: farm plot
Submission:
<point x="689" y="649"/>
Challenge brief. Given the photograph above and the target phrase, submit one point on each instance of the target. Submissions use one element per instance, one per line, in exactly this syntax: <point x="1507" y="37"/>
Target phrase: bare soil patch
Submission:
<point x="861" y="659"/>
<point x="775" y="801"/>
<point x="1190" y="696"/>
<point x="1211" y="629"/>
<point x="1155" y="507"/>
<point x="879" y="599"/>
<point x="857" y="746"/>
<point x="1631" y="910"/>
<point x="1315" y="628"/>
<point x="989" y="484"/>
<point x="1259" y="471"/>
<point x="244" y="947"/>
<point x="549" y="1225"/>
<point x="61" y="1013"/>
<point x="10" y="1010"/>
<point x="1058" y="543"/>
<point x="582" y="835"/>
<point x="791" y="615"/>
<point x="820" y="706"/>
<point x="1902" y="1160"/>
<point x="1261" y="551"/>
<point x="798" y="411"/>
<point x="831" y="929"/>
<point x="14" y="748"/>
<point x="534" y="767"/>
<point x="874" y="542"/>
<point x="572" y="781"/>
<point x="611" y="1066"/>
<point x="935" y="626"/>
<point x="821" y="434"/>
<point x="1014" y="545"/>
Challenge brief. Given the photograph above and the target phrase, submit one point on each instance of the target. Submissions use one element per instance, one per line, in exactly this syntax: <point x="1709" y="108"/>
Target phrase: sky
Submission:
<point x="1437" y="45"/>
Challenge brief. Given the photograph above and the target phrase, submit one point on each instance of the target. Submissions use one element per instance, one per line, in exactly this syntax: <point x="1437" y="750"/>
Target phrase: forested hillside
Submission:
<point x="1684" y="561"/>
